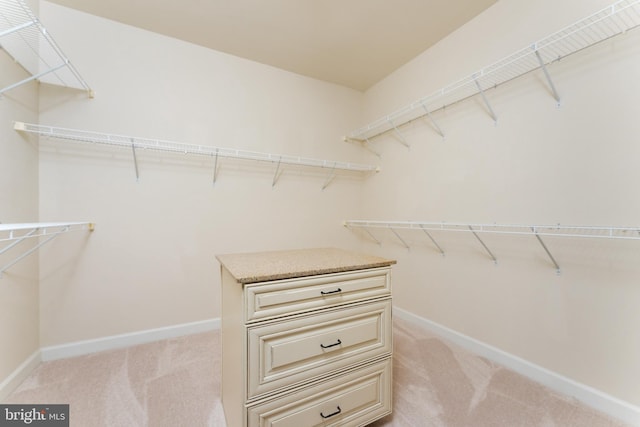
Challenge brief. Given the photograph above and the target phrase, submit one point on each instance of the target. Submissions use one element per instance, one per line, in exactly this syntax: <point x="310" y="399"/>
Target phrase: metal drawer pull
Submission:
<point x="331" y="414"/>
<point x="331" y="345"/>
<point x="331" y="292"/>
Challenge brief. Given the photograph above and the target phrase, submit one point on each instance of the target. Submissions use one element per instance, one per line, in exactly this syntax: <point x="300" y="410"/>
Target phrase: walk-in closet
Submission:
<point x="320" y="213"/>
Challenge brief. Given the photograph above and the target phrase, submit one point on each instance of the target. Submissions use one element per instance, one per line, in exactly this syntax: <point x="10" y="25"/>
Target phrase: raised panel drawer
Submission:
<point x="283" y="354"/>
<point x="355" y="398"/>
<point x="285" y="297"/>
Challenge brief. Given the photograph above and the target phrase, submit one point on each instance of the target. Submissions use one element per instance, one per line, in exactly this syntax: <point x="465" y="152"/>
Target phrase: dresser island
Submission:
<point x="306" y="338"/>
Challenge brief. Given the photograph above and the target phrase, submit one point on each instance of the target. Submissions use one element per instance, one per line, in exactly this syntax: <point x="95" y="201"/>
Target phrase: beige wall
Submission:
<point x="151" y="261"/>
<point x="18" y="203"/>
<point x="540" y="164"/>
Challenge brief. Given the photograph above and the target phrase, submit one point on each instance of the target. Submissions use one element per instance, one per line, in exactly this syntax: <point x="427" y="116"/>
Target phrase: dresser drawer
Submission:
<point x="285" y="297"/>
<point x="353" y="399"/>
<point x="282" y="354"/>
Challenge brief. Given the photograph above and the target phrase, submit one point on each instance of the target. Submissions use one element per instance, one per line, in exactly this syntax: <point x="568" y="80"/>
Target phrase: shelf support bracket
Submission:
<point x="547" y="75"/>
<point x="399" y="238"/>
<point x="553" y="260"/>
<point x="135" y="159"/>
<point x="369" y="147"/>
<point x="29" y="234"/>
<point x="486" y="101"/>
<point x="433" y="122"/>
<point x="276" y="175"/>
<point x="17" y="28"/>
<point x="35" y="77"/>
<point x="32" y="250"/>
<point x="365" y="143"/>
<point x="368" y="232"/>
<point x="373" y="237"/>
<point x="432" y="239"/>
<point x="403" y="141"/>
<point x="330" y="177"/>
<point x="215" y="166"/>
<point x="483" y="245"/>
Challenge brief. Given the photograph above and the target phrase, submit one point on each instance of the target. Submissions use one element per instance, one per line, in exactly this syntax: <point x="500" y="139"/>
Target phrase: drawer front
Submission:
<point x="286" y="353"/>
<point x="285" y="297"/>
<point x="353" y="399"/>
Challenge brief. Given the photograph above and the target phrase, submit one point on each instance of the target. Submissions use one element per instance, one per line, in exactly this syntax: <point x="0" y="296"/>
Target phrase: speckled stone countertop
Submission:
<point x="276" y="265"/>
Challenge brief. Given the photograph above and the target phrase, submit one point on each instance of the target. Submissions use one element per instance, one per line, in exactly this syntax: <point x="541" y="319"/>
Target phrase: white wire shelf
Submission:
<point x="611" y="21"/>
<point x="538" y="231"/>
<point x="28" y="42"/>
<point x="134" y="143"/>
<point x="17" y="233"/>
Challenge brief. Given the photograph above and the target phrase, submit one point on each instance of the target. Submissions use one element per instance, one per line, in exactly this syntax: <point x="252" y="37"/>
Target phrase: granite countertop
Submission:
<point x="276" y="265"/>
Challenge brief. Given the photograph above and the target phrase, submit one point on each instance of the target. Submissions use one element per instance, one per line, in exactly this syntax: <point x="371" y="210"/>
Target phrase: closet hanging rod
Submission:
<point x="28" y="42"/>
<point x="597" y="232"/>
<point x="175" y="147"/>
<point x="611" y="21"/>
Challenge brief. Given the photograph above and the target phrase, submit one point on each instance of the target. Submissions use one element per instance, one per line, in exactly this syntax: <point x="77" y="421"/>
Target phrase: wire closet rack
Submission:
<point x="538" y="231"/>
<point x="611" y="21"/>
<point x="28" y="42"/>
<point x="15" y="234"/>
<point x="134" y="143"/>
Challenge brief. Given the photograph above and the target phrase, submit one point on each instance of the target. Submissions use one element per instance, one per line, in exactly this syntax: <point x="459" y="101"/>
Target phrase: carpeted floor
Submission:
<point x="176" y="383"/>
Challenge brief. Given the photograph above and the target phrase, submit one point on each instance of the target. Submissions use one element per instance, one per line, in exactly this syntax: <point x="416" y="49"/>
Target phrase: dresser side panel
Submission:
<point x="233" y="351"/>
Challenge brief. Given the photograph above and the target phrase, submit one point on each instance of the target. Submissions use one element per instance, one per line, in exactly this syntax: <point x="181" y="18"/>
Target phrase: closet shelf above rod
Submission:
<point x="17" y="233"/>
<point x="133" y="143"/>
<point x="28" y="42"/>
<point x="538" y="231"/>
<point x="615" y="19"/>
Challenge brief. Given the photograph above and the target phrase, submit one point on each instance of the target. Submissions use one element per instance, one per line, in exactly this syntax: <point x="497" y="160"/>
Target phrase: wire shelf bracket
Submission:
<point x="28" y="42"/>
<point x="404" y="243"/>
<point x="399" y="134"/>
<point x="215" y="167"/>
<point x="546" y="249"/>
<point x="538" y="231"/>
<point x="369" y="233"/>
<point x="365" y="143"/>
<point x="136" y="143"/>
<point x="486" y="101"/>
<point x="543" y="66"/>
<point x="618" y="18"/>
<point x="277" y="173"/>
<point x="17" y="233"/>
<point x="493" y="257"/>
<point x="433" y="240"/>
<point x="330" y="177"/>
<point x="135" y="159"/>
<point x="432" y="120"/>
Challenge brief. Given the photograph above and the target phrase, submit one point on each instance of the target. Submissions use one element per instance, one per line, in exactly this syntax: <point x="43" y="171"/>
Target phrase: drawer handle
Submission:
<point x="331" y="292"/>
<point x="331" y="345"/>
<point x="331" y="414"/>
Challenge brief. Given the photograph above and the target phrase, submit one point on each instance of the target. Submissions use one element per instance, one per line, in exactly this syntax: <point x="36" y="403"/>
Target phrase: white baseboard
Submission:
<point x="590" y="396"/>
<point x="16" y="377"/>
<point x="80" y="348"/>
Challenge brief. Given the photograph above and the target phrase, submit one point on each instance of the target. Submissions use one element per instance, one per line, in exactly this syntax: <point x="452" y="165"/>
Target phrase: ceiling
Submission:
<point x="354" y="43"/>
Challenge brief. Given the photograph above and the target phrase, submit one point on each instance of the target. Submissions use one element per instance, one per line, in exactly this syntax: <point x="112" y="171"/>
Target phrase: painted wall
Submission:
<point x="151" y="262"/>
<point x="540" y="164"/>
<point x="18" y="203"/>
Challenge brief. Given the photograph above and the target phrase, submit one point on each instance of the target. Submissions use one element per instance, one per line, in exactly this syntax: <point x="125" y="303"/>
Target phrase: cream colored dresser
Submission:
<point x="306" y="338"/>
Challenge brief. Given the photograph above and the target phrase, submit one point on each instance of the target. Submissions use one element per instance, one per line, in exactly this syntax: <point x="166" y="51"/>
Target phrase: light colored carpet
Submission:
<point x="438" y="384"/>
<point x="176" y="383"/>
